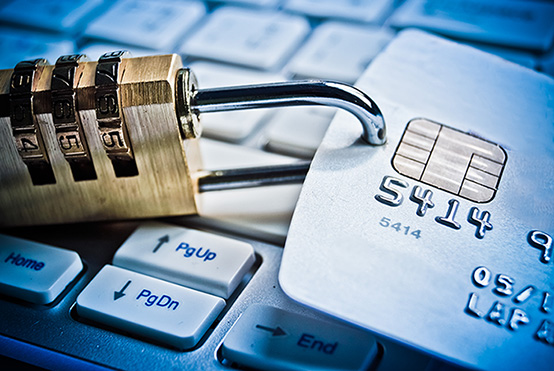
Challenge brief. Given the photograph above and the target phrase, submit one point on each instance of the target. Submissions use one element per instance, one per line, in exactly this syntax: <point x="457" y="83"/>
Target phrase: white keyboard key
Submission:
<point x="150" y="24"/>
<point x="35" y="272"/>
<point x="199" y="260"/>
<point x="95" y="50"/>
<point x="258" y="39"/>
<point x="513" y="55"/>
<point x="339" y="51"/>
<point x="149" y="307"/>
<point x="262" y="209"/>
<point x="264" y="3"/>
<point x="520" y="24"/>
<point x="234" y="125"/>
<point x="59" y="15"/>
<point x="298" y="131"/>
<point x="358" y="10"/>
<point x="27" y="45"/>
<point x="219" y="155"/>
<point x="269" y="338"/>
<point x="214" y="75"/>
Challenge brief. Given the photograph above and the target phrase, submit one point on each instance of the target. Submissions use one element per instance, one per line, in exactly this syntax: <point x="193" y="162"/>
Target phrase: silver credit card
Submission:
<point x="442" y="238"/>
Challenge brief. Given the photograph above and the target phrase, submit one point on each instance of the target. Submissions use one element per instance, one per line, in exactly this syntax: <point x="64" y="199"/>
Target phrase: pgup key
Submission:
<point x="118" y="138"/>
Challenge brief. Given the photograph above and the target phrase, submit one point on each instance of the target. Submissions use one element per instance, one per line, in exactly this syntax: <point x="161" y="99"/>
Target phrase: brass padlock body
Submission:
<point x="165" y="161"/>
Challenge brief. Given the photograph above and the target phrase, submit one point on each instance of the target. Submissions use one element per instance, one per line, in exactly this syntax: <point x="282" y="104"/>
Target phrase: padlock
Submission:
<point x="118" y="138"/>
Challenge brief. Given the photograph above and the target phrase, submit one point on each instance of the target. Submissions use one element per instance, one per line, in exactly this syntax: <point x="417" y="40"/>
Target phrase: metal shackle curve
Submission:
<point x="296" y="93"/>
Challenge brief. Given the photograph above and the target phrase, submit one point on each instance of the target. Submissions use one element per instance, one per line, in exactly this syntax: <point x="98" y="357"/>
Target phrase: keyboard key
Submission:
<point x="27" y="45"/>
<point x="252" y="210"/>
<point x="264" y="3"/>
<point x="95" y="50"/>
<point x="149" y="307"/>
<point x="258" y="39"/>
<point x="358" y="10"/>
<point x="35" y="272"/>
<point x="220" y="155"/>
<point x="298" y="131"/>
<point x="269" y="338"/>
<point x="234" y="125"/>
<point x="339" y="51"/>
<point x="150" y="24"/>
<point x="213" y="75"/>
<point x="518" y="56"/>
<point x="64" y="16"/>
<point x="519" y="24"/>
<point x="199" y="260"/>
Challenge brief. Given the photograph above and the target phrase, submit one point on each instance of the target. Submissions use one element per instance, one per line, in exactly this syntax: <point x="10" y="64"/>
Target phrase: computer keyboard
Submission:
<point x="226" y="43"/>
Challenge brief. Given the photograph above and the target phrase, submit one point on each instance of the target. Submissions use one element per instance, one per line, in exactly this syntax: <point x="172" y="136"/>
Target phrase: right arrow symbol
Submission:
<point x="119" y="294"/>
<point x="274" y="331"/>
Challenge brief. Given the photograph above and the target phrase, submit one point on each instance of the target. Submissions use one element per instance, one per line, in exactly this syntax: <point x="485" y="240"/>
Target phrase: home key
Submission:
<point x="442" y="238"/>
<point x="117" y="138"/>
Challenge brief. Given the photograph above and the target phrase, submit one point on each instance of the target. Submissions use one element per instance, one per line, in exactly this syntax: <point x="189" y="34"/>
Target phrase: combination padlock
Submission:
<point x="117" y="138"/>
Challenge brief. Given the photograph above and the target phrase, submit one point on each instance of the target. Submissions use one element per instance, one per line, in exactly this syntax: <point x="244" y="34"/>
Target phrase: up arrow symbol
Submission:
<point x="161" y="241"/>
<point x="119" y="294"/>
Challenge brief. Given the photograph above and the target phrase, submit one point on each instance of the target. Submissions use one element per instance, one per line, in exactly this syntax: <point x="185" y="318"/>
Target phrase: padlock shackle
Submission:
<point x="296" y="93"/>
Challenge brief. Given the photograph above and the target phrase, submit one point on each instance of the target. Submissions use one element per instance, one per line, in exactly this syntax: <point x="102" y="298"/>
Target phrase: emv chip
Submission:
<point x="450" y="160"/>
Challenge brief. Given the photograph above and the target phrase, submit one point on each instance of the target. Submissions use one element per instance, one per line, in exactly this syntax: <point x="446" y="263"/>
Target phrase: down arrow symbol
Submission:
<point x="119" y="294"/>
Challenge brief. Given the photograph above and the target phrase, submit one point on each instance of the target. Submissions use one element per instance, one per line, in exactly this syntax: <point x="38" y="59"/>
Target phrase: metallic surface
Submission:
<point x="456" y="162"/>
<point x="219" y="180"/>
<point x="185" y="87"/>
<point x="297" y="93"/>
<point x="466" y="281"/>
<point x="69" y="130"/>
<point x="28" y="136"/>
<point x="135" y="113"/>
<point x="164" y="161"/>
<point x="111" y="122"/>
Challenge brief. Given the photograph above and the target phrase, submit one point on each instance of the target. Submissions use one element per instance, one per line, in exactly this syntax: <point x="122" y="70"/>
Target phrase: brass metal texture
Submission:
<point x="26" y="132"/>
<point x="69" y="130"/>
<point x="111" y="122"/>
<point x="165" y="162"/>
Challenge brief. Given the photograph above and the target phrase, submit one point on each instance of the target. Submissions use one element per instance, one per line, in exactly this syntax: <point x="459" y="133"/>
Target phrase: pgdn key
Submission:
<point x="149" y="307"/>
